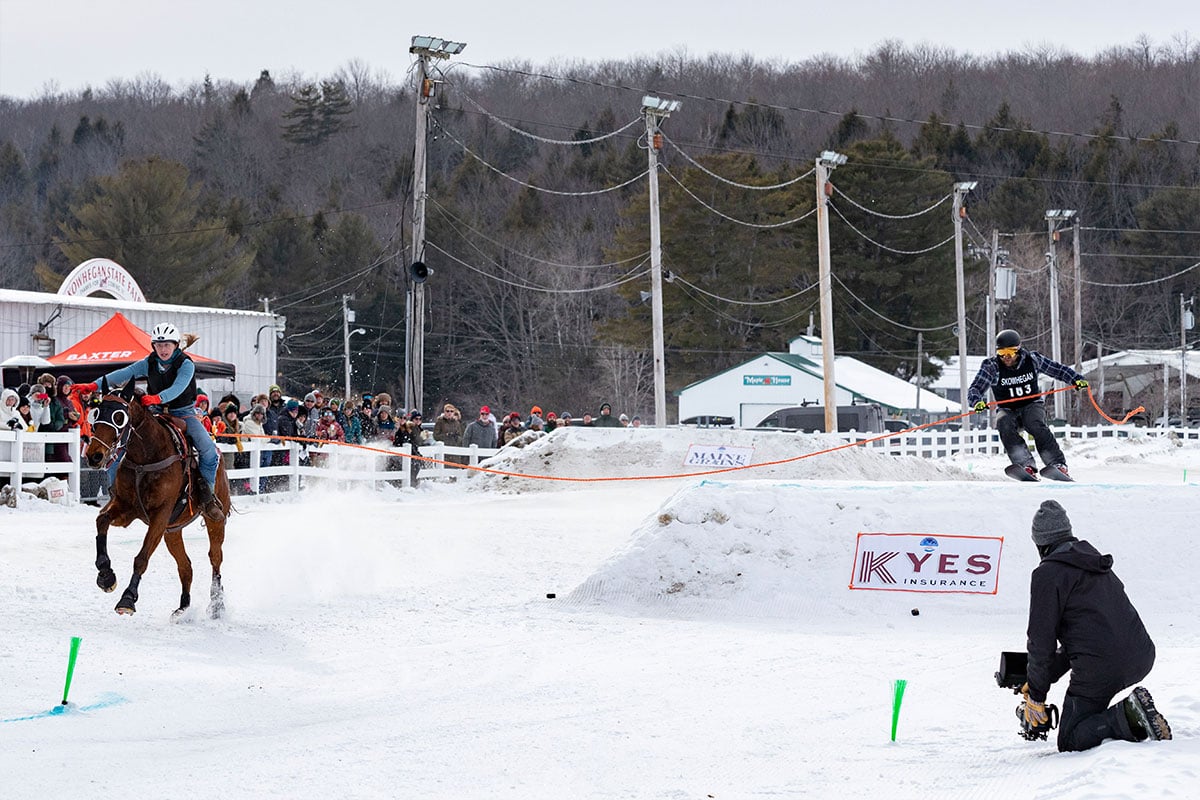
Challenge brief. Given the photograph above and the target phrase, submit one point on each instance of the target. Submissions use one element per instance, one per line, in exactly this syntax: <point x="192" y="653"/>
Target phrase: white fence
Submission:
<point x="930" y="443"/>
<point x="23" y="456"/>
<point x="23" y="460"/>
<point x="338" y="465"/>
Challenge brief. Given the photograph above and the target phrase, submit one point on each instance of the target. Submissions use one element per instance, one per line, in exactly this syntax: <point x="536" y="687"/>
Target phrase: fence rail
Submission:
<point x="23" y="456"/>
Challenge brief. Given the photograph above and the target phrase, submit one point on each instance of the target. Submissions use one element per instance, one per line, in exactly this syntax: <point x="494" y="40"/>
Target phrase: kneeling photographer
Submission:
<point x="1082" y="622"/>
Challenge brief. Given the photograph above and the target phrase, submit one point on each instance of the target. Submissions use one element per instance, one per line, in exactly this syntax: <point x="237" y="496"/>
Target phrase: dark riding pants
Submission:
<point x="1010" y="420"/>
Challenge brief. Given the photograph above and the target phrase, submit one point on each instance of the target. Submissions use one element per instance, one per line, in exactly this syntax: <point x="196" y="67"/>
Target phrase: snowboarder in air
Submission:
<point x="1012" y="375"/>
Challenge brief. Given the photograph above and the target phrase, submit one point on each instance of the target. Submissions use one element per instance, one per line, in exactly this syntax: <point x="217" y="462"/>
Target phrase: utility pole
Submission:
<point x="347" y="318"/>
<point x="920" y="360"/>
<point x="424" y="48"/>
<point x="826" y="163"/>
<point x="1186" y="322"/>
<point x="656" y="110"/>
<point x="993" y="262"/>
<point x="960" y="211"/>
<point x="1078" y="318"/>
<point x="1053" y="217"/>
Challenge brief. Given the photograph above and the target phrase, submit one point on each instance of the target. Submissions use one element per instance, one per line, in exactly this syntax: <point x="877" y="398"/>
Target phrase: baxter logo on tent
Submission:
<point x="101" y="355"/>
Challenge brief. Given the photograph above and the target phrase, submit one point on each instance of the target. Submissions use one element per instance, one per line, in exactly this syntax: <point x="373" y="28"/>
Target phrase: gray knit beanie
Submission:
<point x="1050" y="524"/>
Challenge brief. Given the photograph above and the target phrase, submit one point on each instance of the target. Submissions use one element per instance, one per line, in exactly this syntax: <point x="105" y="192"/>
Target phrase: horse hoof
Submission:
<point x="124" y="611"/>
<point x="178" y="613"/>
<point x="107" y="580"/>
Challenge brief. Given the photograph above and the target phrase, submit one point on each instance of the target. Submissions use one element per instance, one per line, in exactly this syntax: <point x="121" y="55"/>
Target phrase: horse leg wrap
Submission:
<point x="129" y="597"/>
<point x="106" y="579"/>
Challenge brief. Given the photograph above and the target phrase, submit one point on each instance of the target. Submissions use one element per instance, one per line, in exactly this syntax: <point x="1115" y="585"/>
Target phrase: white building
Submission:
<point x="42" y="324"/>
<point x="753" y="390"/>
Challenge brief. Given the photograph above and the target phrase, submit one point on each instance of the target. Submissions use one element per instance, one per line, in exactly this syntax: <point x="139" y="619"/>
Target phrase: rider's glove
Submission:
<point x="83" y="387"/>
<point x="981" y="407"/>
<point x="151" y="400"/>
<point x="1081" y="384"/>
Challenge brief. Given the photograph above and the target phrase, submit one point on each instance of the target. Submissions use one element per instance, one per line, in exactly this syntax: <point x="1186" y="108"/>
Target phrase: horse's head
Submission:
<point x="113" y="419"/>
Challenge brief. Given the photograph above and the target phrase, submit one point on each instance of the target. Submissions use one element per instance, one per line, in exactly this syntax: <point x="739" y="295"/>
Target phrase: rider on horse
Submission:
<point x="171" y="381"/>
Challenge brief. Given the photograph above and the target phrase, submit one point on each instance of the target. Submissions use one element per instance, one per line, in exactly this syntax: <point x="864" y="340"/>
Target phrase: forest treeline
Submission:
<point x="537" y="208"/>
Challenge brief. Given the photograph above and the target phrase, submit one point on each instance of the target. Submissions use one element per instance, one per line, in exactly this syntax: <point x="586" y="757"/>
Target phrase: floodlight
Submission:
<point x="832" y="159"/>
<point x="659" y="105"/>
<point x="966" y="186"/>
<point x="433" y="46"/>
<point x="1059" y="213"/>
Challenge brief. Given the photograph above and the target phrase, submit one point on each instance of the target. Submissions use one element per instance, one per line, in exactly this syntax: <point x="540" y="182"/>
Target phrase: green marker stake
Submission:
<point x="75" y="640"/>
<point x="898" y="697"/>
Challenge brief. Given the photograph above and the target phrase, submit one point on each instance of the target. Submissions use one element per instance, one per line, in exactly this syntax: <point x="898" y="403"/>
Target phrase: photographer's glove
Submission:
<point x="1080" y="385"/>
<point x="1035" y="713"/>
<point x="15" y="424"/>
<point x="980" y="407"/>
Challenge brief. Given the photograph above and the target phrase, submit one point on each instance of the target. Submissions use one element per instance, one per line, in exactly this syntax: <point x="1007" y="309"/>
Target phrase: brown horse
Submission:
<point x="150" y="486"/>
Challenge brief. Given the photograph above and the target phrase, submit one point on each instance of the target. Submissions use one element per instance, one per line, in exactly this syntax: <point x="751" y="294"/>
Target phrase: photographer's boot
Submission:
<point x="1144" y="719"/>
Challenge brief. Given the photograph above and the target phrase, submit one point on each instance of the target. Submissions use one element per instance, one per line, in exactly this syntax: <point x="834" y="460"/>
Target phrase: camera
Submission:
<point x="1013" y="675"/>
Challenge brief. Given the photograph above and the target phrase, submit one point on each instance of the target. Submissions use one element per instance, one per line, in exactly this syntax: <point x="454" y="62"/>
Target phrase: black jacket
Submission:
<point x="1076" y="599"/>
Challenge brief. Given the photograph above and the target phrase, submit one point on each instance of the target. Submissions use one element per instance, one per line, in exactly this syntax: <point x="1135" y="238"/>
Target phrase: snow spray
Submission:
<point x="75" y="640"/>
<point x="897" y="698"/>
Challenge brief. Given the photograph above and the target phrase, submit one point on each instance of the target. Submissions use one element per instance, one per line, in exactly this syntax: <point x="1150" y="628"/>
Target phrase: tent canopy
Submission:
<point x="116" y="344"/>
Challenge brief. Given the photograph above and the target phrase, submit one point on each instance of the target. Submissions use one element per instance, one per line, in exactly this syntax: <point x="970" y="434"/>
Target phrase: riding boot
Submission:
<point x="208" y="503"/>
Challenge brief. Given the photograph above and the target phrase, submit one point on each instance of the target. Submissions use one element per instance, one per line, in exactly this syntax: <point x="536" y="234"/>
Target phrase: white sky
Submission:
<point x="68" y="44"/>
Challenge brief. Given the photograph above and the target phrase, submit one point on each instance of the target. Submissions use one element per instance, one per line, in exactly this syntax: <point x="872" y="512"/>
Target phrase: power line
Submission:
<point x="881" y="246"/>
<point x="825" y="112"/>
<point x="722" y="215"/>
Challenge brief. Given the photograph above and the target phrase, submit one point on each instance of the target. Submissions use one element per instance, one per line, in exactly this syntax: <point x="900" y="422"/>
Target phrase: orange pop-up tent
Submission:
<point x="115" y="344"/>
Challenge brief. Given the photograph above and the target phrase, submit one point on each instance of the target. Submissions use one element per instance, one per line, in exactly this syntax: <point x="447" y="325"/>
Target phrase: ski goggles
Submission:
<point x="1007" y="352"/>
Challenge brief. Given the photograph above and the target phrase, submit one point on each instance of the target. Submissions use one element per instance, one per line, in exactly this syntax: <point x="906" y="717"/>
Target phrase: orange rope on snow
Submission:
<point x="704" y="473"/>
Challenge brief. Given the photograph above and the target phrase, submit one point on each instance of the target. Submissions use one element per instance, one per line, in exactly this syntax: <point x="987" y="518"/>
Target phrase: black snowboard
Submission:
<point x="1054" y="474"/>
<point x="1018" y="473"/>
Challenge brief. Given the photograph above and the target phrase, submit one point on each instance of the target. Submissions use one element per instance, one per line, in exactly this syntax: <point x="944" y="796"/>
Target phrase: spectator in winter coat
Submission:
<point x="408" y="431"/>
<point x="511" y="428"/>
<point x="481" y="432"/>
<point x="448" y="427"/>
<point x="353" y="426"/>
<point x="1081" y="621"/>
<point x="328" y="428"/>
<point x="10" y="419"/>
<point x="606" y="419"/>
<point x="551" y="422"/>
<point x="385" y="424"/>
<point x="39" y="407"/>
<point x="535" y="415"/>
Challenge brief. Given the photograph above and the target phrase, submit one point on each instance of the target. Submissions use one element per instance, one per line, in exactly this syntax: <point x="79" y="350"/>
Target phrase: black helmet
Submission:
<point x="1008" y="338"/>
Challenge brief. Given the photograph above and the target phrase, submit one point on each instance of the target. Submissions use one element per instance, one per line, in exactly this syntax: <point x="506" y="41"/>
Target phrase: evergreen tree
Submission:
<point x="146" y="218"/>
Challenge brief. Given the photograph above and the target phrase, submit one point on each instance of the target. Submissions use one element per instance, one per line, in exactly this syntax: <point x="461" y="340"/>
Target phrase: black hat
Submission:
<point x="1051" y="525"/>
<point x="604" y="406"/>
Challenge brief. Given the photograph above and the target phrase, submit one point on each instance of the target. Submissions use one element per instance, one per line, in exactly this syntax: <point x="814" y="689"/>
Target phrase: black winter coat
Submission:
<point x="1076" y="599"/>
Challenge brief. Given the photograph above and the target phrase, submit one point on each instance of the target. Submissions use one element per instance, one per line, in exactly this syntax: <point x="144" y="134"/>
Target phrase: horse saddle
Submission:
<point x="183" y="448"/>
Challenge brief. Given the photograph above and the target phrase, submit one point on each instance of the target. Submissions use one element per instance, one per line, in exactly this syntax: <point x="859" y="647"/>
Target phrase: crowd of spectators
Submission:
<point x="50" y="405"/>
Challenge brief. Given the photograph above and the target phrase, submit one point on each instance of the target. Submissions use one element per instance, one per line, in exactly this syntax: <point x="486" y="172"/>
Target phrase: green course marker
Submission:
<point x="75" y="640"/>
<point x="898" y="697"/>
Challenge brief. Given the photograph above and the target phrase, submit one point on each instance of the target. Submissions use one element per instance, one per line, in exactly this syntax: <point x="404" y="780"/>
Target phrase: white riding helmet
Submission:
<point x="164" y="332"/>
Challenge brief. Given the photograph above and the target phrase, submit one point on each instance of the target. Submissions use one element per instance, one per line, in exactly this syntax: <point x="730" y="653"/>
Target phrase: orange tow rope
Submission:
<point x="705" y="473"/>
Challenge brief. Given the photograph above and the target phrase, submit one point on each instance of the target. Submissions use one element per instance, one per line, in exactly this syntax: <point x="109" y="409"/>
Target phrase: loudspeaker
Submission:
<point x="419" y="272"/>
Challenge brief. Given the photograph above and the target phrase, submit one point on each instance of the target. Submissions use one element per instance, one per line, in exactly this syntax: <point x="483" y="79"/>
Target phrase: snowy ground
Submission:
<point x="702" y="641"/>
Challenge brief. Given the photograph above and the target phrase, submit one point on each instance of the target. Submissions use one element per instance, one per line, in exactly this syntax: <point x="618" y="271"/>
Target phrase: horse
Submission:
<point x="152" y="485"/>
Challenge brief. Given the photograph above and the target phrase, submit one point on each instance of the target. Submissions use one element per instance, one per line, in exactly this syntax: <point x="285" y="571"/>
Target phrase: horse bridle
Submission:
<point x="118" y="420"/>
